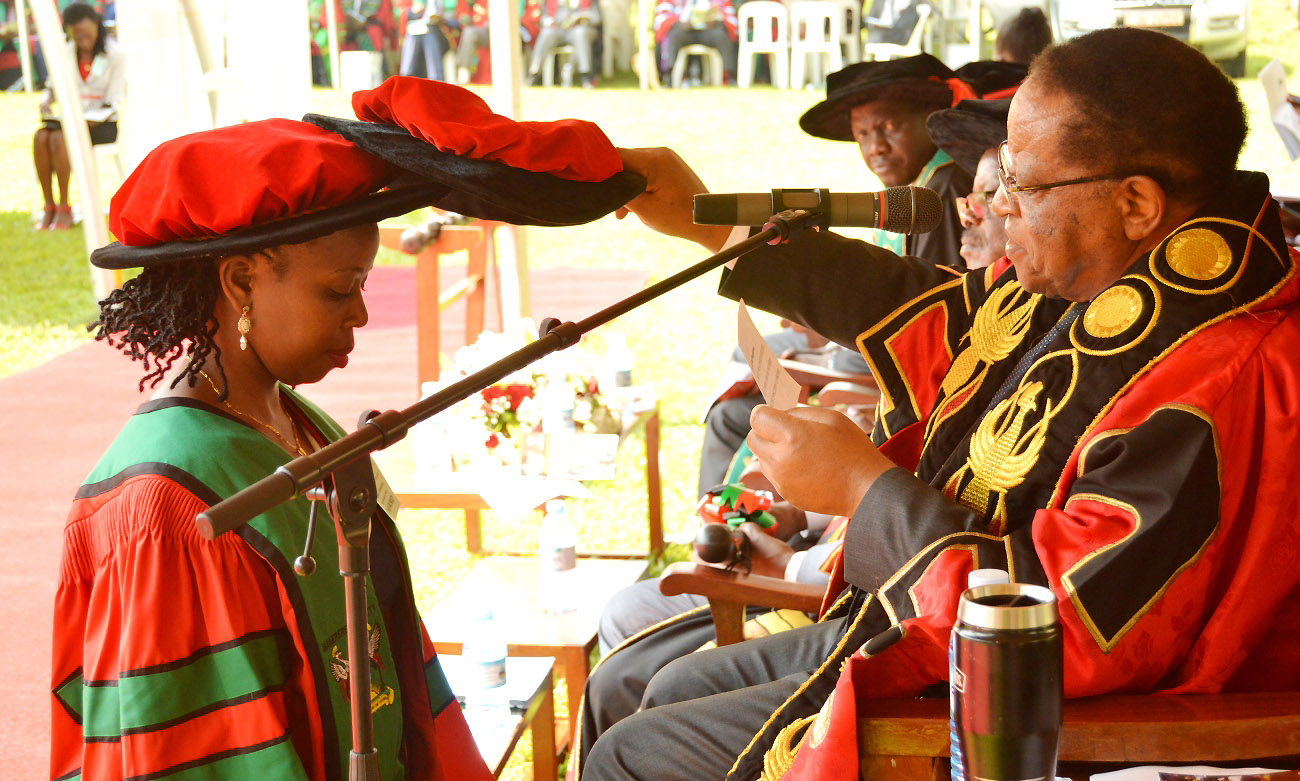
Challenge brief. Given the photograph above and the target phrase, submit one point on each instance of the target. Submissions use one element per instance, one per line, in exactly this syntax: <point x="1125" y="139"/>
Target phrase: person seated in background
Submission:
<point x="572" y="22"/>
<point x="426" y="40"/>
<point x="804" y="545"/>
<point x="1137" y="363"/>
<point x="472" y="19"/>
<point x="886" y="22"/>
<point x="101" y="83"/>
<point x="882" y="106"/>
<point x="1023" y="36"/>
<point x="11" y="66"/>
<point x="678" y="23"/>
<point x="970" y="133"/>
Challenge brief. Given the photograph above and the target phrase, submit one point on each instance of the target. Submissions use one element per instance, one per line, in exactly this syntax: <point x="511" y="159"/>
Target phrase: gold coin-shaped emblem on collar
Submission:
<point x="823" y="723"/>
<point x="1199" y="254"/>
<point x="1112" y="312"/>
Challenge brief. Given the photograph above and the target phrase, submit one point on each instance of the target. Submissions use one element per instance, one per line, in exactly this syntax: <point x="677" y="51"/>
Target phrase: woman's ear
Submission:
<point x="1143" y="205"/>
<point x="235" y="274"/>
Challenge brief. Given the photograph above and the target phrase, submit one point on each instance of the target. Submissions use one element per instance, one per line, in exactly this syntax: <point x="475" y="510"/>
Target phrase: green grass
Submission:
<point x="737" y="141"/>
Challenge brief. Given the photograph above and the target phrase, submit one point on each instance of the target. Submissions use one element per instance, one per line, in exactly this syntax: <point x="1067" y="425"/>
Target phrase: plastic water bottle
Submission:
<point x="557" y="408"/>
<point x="616" y="364"/>
<point x="484" y="651"/>
<point x="557" y="559"/>
<point x="978" y="577"/>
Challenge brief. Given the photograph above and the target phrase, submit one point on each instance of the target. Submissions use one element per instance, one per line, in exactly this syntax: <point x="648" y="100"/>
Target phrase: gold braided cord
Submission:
<point x="839" y="648"/>
<point x="779" y="758"/>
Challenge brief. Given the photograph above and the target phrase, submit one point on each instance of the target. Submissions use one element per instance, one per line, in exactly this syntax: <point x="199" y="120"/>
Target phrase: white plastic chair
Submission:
<point x="712" y="59"/>
<point x="818" y="27"/>
<point x="852" y="38"/>
<point x="564" y="51"/>
<point x="889" y="51"/>
<point x="764" y="30"/>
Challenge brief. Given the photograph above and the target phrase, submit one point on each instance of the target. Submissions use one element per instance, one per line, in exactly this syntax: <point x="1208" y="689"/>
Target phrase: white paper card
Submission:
<point x="779" y="389"/>
<point x="384" y="496"/>
<point x="1286" y="120"/>
<point x="1152" y="772"/>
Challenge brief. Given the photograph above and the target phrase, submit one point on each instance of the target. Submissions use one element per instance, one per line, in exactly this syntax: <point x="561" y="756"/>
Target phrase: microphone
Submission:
<point x="906" y="209"/>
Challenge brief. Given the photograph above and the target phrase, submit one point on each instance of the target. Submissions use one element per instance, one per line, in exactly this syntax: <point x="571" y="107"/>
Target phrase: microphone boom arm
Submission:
<point x="380" y="431"/>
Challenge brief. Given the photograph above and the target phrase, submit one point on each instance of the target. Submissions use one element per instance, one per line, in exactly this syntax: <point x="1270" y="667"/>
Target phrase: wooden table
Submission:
<point x="455" y="491"/>
<point x="512" y="585"/>
<point x="529" y="692"/>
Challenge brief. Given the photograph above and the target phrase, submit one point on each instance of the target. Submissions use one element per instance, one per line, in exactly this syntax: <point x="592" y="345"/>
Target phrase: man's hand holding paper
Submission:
<point x="819" y="459"/>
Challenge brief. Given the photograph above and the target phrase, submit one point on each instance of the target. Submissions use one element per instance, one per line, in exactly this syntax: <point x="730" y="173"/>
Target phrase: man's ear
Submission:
<point x="1143" y="206"/>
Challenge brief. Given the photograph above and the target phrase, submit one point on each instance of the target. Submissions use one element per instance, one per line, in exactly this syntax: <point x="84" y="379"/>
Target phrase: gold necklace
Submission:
<point x="296" y="444"/>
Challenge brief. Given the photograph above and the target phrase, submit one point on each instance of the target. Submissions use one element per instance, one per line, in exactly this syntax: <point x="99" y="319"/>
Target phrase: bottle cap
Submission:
<point x="986" y="577"/>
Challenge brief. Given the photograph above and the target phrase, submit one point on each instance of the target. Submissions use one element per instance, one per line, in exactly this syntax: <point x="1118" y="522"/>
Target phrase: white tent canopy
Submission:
<point x="194" y="65"/>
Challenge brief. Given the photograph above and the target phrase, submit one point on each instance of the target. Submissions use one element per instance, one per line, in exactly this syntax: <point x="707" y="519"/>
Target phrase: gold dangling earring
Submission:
<point x="244" y="325"/>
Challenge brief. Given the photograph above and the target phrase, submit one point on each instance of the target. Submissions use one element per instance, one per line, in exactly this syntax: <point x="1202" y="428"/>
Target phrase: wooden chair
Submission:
<point x="475" y="239"/>
<point x="729" y="593"/>
<point x="905" y="739"/>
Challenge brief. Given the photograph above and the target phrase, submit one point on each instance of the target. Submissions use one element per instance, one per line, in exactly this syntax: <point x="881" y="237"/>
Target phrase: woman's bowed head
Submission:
<point x="229" y="326"/>
<point x="246" y="323"/>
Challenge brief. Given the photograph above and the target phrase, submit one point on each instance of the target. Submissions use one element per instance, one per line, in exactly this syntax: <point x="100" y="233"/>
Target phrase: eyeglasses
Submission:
<point x="972" y="209"/>
<point x="1011" y="186"/>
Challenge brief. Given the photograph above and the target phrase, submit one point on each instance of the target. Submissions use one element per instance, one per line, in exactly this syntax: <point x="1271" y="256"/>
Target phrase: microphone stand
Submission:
<point x="345" y="468"/>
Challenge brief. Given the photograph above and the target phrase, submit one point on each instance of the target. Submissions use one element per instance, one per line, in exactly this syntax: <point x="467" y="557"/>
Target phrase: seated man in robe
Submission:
<point x="804" y="546"/>
<point x="1114" y="418"/>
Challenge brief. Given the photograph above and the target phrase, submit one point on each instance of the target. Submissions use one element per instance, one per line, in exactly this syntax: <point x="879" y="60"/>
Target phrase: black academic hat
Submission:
<point x="929" y="79"/>
<point x="863" y="82"/>
<point x="968" y="130"/>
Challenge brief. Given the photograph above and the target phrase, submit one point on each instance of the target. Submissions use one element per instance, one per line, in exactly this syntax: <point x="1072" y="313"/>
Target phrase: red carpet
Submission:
<point x="56" y="419"/>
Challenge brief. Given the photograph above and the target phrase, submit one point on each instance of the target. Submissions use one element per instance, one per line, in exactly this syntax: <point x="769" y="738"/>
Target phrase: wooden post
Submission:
<point x="200" y="38"/>
<point x="507" y="69"/>
<point x="507" y="76"/>
<point x="63" y="77"/>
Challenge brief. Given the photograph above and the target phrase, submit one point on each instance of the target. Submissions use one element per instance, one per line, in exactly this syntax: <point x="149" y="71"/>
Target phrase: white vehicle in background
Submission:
<point x="1216" y="27"/>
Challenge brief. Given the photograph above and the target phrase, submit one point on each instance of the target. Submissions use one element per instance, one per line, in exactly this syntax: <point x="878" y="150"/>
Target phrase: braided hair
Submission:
<point x="164" y="314"/>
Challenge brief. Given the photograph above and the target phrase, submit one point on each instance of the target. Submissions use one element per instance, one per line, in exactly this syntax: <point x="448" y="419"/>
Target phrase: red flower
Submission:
<point x="492" y="441"/>
<point x="493" y="392"/>
<point x="518" y="392"/>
